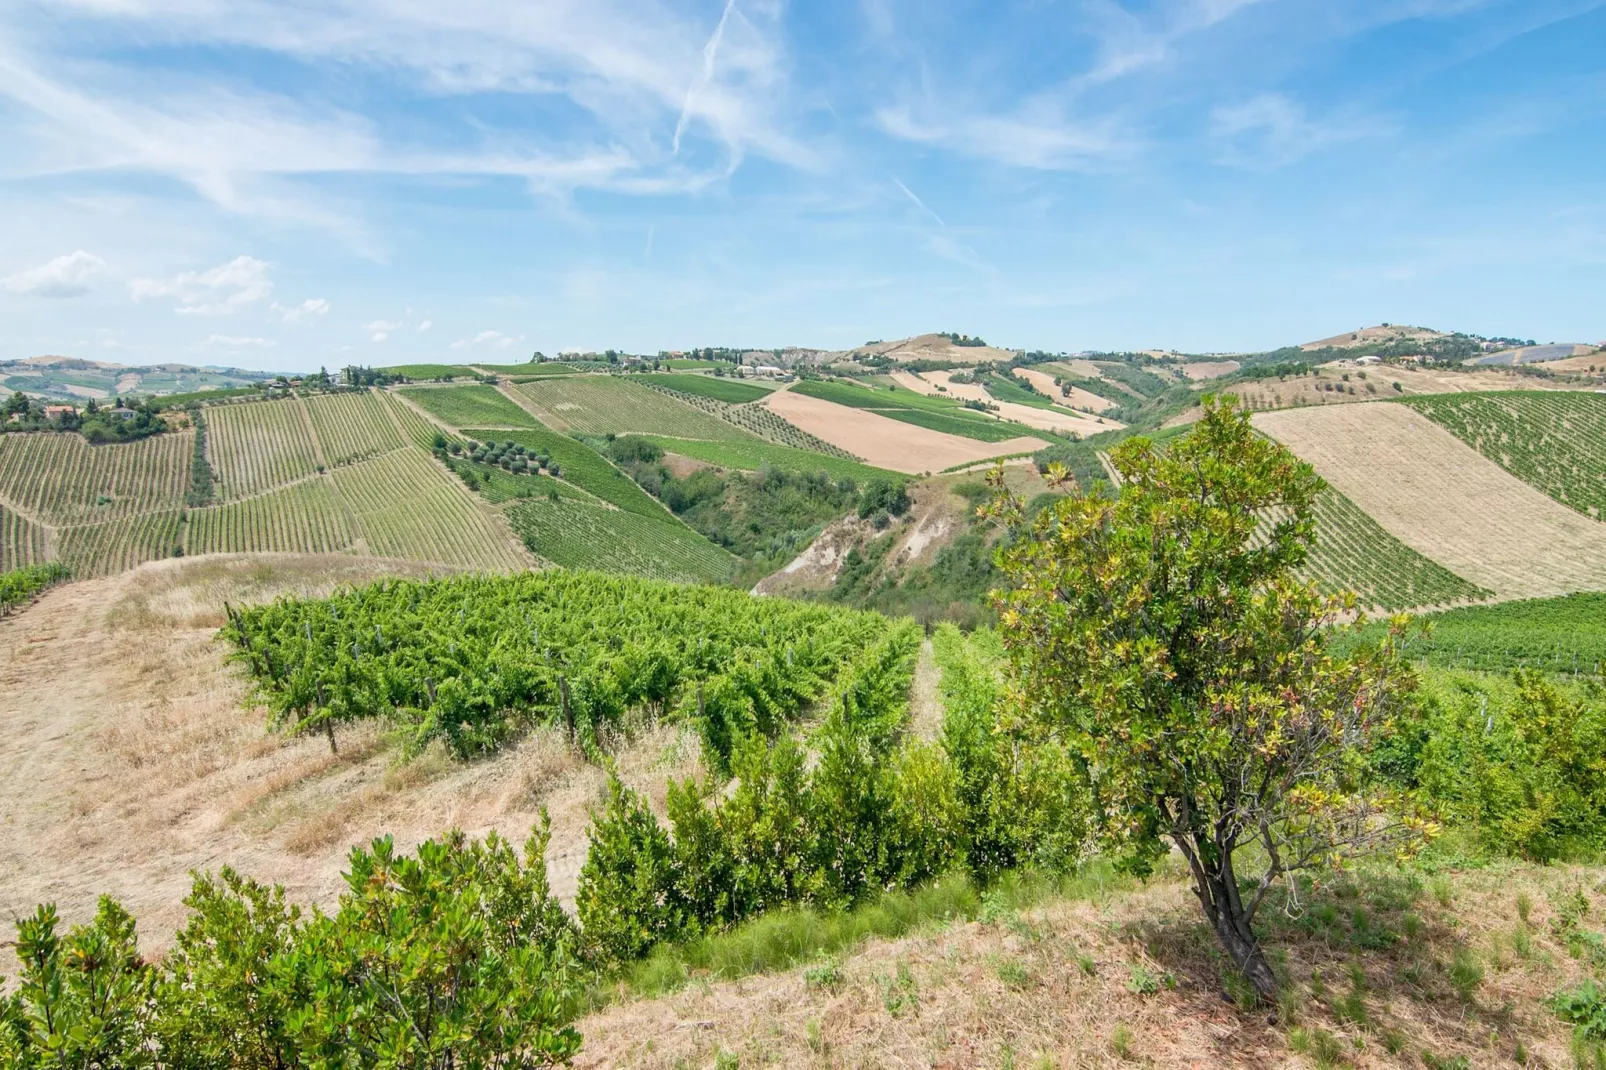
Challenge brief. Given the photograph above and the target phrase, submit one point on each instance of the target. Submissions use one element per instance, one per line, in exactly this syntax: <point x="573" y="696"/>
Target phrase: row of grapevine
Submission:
<point x="301" y="518"/>
<point x="61" y="479"/>
<point x="469" y="406"/>
<point x="608" y="404"/>
<point x="1354" y="553"/>
<point x="256" y="447"/>
<point x="757" y="420"/>
<point x="351" y="427"/>
<point x="1552" y="440"/>
<point x="92" y="550"/>
<point x="406" y="506"/>
<point x="22" y="542"/>
<point x="579" y="535"/>
<point x="19" y="585"/>
<point x="419" y="431"/>
<point x="471" y="659"/>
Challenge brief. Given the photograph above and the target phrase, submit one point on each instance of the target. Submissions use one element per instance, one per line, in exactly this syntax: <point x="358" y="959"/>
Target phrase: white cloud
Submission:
<point x="426" y="325"/>
<point x="494" y="339"/>
<point x="312" y="306"/>
<point x="379" y="330"/>
<point x="217" y="291"/>
<point x="227" y="341"/>
<point x="65" y="276"/>
<point x="1040" y="136"/>
<point x="1271" y="130"/>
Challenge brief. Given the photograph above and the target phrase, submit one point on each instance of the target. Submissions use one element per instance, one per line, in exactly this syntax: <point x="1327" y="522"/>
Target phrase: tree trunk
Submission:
<point x="1216" y="885"/>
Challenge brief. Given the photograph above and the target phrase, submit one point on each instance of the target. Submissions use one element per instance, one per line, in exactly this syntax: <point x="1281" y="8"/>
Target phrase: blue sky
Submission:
<point x="288" y="183"/>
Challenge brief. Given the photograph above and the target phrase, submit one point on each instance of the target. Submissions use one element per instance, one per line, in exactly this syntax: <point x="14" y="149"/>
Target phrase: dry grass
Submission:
<point x="888" y="443"/>
<point x="131" y="756"/>
<point x="1328" y="386"/>
<point x="1077" y="398"/>
<point x="1377" y="971"/>
<point x="941" y="384"/>
<point x="1445" y="500"/>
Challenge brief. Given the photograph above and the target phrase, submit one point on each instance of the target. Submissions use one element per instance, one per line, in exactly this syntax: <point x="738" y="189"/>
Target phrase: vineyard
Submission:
<point x="1354" y="553"/>
<point x="752" y="455"/>
<point x="1555" y="440"/>
<point x="414" y="426"/>
<point x="469" y="406"/>
<point x="579" y="535"/>
<point x="730" y="391"/>
<point x="351" y="427"/>
<point x="20" y="585"/>
<point x="407" y="507"/>
<point x="111" y="546"/>
<point x="601" y="404"/>
<point x="22" y="542"/>
<point x="301" y="518"/>
<point x="473" y="660"/>
<point x="1564" y="635"/>
<point x="61" y="479"/>
<point x="758" y="420"/>
<point x="256" y="447"/>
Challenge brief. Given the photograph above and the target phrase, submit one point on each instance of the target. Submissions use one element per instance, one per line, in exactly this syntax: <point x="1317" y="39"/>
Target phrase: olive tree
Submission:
<point x="1163" y="634"/>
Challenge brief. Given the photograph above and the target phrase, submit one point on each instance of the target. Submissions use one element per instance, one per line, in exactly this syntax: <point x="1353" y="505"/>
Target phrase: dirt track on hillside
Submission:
<point x="128" y="756"/>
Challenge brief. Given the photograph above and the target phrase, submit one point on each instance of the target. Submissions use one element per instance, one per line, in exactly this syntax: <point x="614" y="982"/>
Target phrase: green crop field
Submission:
<point x="582" y="466"/>
<point x="60" y="479"/>
<point x="255" y="447"/>
<point x="432" y="371"/>
<point x="936" y="414"/>
<point x="406" y="506"/>
<point x="1354" y="553"/>
<point x="757" y="420"/>
<point x="1553" y="440"/>
<point x="351" y="427"/>
<point x="752" y="455"/>
<point x="91" y="550"/>
<point x="607" y="404"/>
<point x="22" y="542"/>
<point x="730" y="391"/>
<point x="1566" y="635"/>
<point x="415" y="427"/>
<point x="301" y="518"/>
<point x="469" y="406"/>
<point x="577" y="535"/>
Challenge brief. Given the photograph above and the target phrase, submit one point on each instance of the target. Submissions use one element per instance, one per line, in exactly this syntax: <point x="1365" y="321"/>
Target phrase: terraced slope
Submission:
<point x="1553" y="440"/>
<point x="606" y="404"/>
<point x="256" y="447"/>
<point x="58" y="478"/>
<point x="405" y="506"/>
<point x="1354" y="553"/>
<point x="1446" y="501"/>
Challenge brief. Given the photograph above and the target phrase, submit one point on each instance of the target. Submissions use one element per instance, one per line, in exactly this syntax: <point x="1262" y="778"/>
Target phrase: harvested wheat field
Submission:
<point x="888" y="443"/>
<point x="128" y="755"/>
<point x="941" y="384"/>
<point x="1445" y="500"/>
<point x="1113" y="974"/>
<point x="1209" y="369"/>
<point x="1076" y="397"/>
<point x="1328" y="385"/>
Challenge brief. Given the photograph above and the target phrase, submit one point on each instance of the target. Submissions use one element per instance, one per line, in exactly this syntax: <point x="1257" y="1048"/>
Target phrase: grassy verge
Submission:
<point x="783" y="939"/>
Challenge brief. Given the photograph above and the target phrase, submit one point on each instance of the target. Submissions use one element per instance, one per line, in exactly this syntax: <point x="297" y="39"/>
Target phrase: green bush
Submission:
<point x="1513" y="762"/>
<point x="459" y="956"/>
<point x="625" y="892"/>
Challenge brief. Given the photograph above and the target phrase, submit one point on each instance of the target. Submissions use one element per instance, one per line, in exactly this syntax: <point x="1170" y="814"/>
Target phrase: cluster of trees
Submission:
<point x="360" y="375"/>
<point x="963" y="339"/>
<point x="760" y="516"/>
<point x="512" y="456"/>
<point x="119" y="420"/>
<point x="458" y="956"/>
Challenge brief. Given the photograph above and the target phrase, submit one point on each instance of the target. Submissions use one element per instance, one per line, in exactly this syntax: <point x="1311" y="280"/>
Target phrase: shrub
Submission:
<point x="624" y="898"/>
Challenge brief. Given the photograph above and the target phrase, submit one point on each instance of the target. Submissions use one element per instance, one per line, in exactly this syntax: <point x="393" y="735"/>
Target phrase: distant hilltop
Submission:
<point x="63" y="378"/>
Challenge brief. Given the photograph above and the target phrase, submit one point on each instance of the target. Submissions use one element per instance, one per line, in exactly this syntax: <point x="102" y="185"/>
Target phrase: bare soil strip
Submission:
<point x="888" y="443"/>
<point x="1076" y="399"/>
<point x="941" y="384"/>
<point x="1445" y="500"/>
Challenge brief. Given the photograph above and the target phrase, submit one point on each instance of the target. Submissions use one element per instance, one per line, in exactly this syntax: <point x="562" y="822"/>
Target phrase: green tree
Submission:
<point x="1163" y="634"/>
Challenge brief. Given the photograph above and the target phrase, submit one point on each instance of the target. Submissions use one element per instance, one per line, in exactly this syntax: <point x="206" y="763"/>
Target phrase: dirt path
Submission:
<point x="925" y="702"/>
<point x="128" y="756"/>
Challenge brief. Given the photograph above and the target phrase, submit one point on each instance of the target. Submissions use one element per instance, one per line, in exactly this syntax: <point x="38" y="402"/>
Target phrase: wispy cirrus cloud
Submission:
<point x="1271" y="130"/>
<point x="65" y="276"/>
<point x="489" y="339"/>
